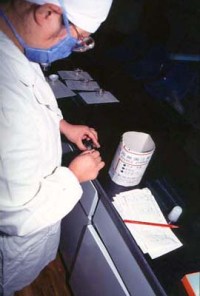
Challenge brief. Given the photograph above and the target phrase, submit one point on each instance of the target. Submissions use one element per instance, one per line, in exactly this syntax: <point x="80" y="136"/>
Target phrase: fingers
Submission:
<point x="92" y="130"/>
<point x="93" y="136"/>
<point x="101" y="164"/>
<point x="96" y="157"/>
<point x="86" y="152"/>
<point x="81" y="145"/>
<point x="98" y="160"/>
<point x="93" y="153"/>
<point x="88" y="140"/>
<point x="87" y="165"/>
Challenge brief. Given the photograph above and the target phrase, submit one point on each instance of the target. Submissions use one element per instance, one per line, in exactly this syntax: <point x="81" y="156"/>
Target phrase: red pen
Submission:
<point x="151" y="223"/>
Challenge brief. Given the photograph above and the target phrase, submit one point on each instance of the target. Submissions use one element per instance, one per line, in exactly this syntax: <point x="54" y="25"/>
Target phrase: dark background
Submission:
<point x="131" y="59"/>
<point x="133" y="30"/>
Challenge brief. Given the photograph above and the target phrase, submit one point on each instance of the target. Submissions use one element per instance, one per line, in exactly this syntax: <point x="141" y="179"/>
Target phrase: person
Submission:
<point x="36" y="191"/>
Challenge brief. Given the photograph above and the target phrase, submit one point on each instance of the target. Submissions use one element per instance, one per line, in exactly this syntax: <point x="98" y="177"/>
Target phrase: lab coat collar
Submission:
<point x="26" y="70"/>
<point x="28" y="73"/>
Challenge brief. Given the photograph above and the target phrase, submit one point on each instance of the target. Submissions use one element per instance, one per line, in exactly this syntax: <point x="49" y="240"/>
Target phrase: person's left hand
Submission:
<point x="77" y="133"/>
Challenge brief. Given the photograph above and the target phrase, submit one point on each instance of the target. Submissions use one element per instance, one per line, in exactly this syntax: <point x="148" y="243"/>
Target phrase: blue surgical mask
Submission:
<point x="59" y="51"/>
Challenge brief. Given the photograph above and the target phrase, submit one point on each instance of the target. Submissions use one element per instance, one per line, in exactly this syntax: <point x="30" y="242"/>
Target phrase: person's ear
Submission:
<point x="45" y="12"/>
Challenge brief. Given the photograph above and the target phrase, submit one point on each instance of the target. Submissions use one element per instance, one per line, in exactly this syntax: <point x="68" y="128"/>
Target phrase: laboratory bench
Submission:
<point x="100" y="255"/>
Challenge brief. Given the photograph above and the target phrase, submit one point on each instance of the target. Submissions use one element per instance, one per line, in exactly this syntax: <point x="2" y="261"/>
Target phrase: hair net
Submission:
<point x="85" y="14"/>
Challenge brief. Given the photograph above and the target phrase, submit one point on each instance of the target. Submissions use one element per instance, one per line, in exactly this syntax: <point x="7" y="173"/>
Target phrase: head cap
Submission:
<point x="87" y="15"/>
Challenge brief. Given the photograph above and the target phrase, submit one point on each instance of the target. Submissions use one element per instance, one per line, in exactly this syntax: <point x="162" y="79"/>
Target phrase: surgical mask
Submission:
<point x="59" y="51"/>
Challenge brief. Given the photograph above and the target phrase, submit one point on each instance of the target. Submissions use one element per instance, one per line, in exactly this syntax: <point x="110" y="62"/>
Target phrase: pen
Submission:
<point x="151" y="223"/>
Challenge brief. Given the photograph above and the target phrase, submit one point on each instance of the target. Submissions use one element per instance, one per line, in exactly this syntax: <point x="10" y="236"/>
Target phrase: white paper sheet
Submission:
<point x="75" y="75"/>
<point x="60" y="90"/>
<point x="96" y="98"/>
<point x="140" y="205"/>
<point x="87" y="85"/>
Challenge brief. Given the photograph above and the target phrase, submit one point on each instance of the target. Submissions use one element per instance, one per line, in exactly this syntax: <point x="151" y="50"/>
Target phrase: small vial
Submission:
<point x="46" y="66"/>
<point x="86" y="82"/>
<point x="175" y="213"/>
<point x="88" y="144"/>
<point x="100" y="92"/>
<point x="53" y="78"/>
<point x="78" y="72"/>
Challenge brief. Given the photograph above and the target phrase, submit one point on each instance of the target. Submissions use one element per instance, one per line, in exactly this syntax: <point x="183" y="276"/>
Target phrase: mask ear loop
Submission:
<point x="65" y="18"/>
<point x="83" y="43"/>
<point x="20" y="40"/>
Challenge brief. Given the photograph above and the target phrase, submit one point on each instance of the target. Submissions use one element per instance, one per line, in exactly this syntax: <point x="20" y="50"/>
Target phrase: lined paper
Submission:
<point x="140" y="205"/>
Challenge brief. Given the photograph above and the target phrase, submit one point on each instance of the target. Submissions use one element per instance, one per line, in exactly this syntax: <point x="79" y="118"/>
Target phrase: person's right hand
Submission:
<point x="86" y="165"/>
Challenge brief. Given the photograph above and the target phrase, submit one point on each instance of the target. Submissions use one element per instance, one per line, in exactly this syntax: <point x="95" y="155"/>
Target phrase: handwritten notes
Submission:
<point x="140" y="205"/>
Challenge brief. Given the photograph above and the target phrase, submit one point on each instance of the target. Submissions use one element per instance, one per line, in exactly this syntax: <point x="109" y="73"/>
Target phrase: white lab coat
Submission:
<point x="36" y="192"/>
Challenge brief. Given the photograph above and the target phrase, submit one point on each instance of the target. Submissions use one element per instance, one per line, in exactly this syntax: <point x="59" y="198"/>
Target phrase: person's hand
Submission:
<point x="77" y="133"/>
<point x="86" y="165"/>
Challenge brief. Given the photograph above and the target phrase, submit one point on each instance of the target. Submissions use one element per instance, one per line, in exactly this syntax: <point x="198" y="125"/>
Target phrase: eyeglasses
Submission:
<point x="83" y="43"/>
